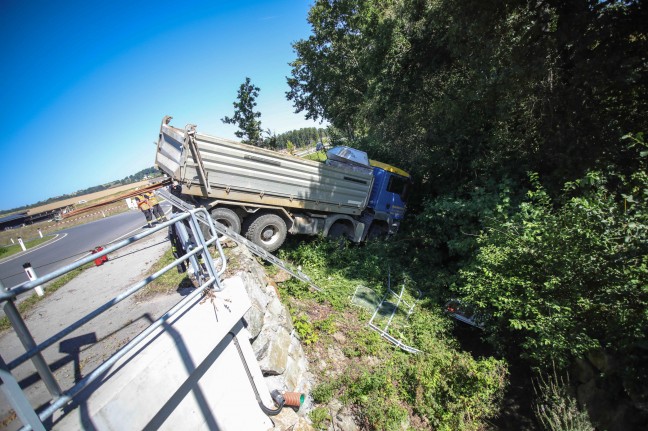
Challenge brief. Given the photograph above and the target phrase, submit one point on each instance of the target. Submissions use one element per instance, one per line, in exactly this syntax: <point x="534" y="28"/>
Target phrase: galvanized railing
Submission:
<point x="198" y="257"/>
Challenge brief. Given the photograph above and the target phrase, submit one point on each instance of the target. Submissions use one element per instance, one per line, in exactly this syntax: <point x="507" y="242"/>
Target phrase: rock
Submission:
<point x="339" y="337"/>
<point x="285" y="420"/>
<point x="281" y="276"/>
<point x="344" y="421"/>
<point x="303" y="424"/>
<point x="270" y="349"/>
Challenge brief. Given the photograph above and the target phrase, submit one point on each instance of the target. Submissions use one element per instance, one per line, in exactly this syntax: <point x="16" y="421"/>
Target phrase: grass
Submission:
<point x="385" y="387"/>
<point x="319" y="156"/>
<point x="51" y="287"/>
<point x="15" y="248"/>
<point x="30" y="231"/>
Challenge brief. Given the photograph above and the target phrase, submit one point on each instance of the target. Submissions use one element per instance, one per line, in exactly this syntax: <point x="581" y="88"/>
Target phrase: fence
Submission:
<point x="198" y="256"/>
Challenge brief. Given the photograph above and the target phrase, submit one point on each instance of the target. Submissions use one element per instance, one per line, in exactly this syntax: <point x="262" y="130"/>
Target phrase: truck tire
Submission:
<point x="227" y="217"/>
<point x="268" y="231"/>
<point x="377" y="231"/>
<point x="340" y="230"/>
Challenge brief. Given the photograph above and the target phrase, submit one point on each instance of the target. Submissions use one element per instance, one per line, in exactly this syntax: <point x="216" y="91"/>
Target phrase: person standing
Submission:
<point x="143" y="205"/>
<point x="156" y="209"/>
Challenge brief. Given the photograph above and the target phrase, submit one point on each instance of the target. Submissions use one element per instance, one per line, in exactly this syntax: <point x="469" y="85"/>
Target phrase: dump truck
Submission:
<point x="265" y="194"/>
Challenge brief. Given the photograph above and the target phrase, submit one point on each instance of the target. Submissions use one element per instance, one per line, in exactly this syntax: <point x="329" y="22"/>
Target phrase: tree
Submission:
<point x="247" y="120"/>
<point x="461" y="91"/>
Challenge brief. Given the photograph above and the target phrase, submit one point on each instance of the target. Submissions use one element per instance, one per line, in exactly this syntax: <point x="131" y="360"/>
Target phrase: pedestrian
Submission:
<point x="143" y="205"/>
<point x="153" y="202"/>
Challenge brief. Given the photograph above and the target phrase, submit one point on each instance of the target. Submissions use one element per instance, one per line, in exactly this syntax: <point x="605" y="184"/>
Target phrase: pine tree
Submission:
<point x="247" y="120"/>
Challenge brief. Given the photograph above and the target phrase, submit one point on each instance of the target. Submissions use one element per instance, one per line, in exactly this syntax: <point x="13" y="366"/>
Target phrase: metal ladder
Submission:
<point x="254" y="248"/>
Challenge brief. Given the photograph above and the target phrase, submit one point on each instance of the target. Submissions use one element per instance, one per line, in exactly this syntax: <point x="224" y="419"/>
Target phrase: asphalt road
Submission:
<point x="71" y="245"/>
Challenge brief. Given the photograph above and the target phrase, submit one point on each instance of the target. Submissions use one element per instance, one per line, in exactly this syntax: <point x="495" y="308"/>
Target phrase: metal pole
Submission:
<point x="28" y="343"/>
<point x="17" y="399"/>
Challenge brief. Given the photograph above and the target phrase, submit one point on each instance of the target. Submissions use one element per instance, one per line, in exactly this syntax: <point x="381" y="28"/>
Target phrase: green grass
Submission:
<point x="49" y="288"/>
<point x="443" y="388"/>
<point x="319" y="156"/>
<point x="15" y="248"/>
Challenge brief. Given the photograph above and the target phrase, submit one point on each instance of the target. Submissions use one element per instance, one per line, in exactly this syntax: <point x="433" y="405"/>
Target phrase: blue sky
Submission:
<point x="85" y="84"/>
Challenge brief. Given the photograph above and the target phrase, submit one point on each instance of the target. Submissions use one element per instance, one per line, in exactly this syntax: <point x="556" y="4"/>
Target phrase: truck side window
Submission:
<point x="398" y="185"/>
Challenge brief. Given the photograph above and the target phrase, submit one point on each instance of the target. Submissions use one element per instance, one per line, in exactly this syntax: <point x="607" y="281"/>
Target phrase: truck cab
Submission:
<point x="387" y="201"/>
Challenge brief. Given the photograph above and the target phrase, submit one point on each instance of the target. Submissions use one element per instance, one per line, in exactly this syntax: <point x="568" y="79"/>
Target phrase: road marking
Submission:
<point x="21" y="254"/>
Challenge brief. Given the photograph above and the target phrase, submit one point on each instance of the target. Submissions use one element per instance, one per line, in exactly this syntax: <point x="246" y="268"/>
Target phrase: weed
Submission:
<point x="442" y="388"/>
<point x="305" y="329"/>
<point x="323" y="393"/>
<point x="320" y="418"/>
<point x="555" y="408"/>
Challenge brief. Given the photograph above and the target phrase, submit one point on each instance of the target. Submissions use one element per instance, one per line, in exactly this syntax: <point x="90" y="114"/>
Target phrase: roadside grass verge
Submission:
<point x="169" y="282"/>
<point x="25" y="306"/>
<point x="384" y="387"/>
<point x="7" y="251"/>
<point x="172" y="280"/>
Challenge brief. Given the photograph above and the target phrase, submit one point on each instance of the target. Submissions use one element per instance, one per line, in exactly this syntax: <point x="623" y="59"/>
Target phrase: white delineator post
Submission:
<point x="22" y="244"/>
<point x="32" y="276"/>
<point x="12" y="241"/>
<point x="40" y="233"/>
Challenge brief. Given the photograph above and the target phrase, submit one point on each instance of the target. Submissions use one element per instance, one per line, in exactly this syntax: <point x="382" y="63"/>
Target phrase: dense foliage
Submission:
<point x="457" y="91"/>
<point x="305" y="137"/>
<point x="471" y="97"/>
<point x="441" y="388"/>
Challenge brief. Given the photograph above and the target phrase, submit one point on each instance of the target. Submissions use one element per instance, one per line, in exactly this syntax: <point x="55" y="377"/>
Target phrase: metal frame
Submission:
<point x="384" y="332"/>
<point x="224" y="230"/>
<point x="209" y="276"/>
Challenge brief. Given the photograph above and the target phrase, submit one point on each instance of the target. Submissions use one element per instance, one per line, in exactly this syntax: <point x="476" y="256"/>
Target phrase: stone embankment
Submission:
<point x="273" y="337"/>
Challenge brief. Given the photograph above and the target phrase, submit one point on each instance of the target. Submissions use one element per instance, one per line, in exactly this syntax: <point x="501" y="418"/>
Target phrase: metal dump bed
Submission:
<point x="223" y="169"/>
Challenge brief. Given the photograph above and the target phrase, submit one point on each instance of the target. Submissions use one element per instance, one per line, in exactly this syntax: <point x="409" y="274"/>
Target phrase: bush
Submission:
<point x="555" y="408"/>
<point x="388" y="389"/>
<point x="562" y="279"/>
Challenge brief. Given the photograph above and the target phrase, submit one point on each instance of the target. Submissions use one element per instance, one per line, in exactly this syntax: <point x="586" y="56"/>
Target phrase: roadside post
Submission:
<point x="32" y="276"/>
<point x="22" y="244"/>
<point x="12" y="241"/>
<point x="40" y="233"/>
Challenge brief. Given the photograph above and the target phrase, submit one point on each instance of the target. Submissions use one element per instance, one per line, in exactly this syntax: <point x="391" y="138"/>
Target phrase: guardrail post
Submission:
<point x="31" y="275"/>
<point x="22" y="244"/>
<point x="28" y="343"/>
<point x="17" y="399"/>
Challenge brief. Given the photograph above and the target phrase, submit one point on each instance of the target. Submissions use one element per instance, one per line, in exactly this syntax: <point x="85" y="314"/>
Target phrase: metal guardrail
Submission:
<point x="254" y="248"/>
<point x="208" y="274"/>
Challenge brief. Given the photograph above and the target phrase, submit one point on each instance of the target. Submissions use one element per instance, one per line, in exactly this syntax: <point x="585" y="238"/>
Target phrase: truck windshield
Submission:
<point x="398" y="185"/>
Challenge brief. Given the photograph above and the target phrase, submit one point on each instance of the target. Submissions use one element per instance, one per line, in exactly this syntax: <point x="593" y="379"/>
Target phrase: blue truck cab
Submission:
<point x="388" y="198"/>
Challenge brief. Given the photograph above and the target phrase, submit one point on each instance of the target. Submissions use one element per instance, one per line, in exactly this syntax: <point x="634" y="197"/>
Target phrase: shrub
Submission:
<point x="563" y="279"/>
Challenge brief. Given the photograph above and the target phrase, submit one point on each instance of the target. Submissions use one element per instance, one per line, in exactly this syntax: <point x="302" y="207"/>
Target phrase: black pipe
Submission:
<point x="276" y="396"/>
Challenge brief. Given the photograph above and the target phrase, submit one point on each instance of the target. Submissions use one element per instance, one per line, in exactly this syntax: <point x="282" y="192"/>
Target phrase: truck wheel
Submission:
<point x="340" y="230"/>
<point x="268" y="231"/>
<point x="377" y="231"/>
<point x="227" y="217"/>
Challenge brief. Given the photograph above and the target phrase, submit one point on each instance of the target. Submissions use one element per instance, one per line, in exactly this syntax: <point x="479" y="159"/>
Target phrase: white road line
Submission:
<point x="24" y="253"/>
